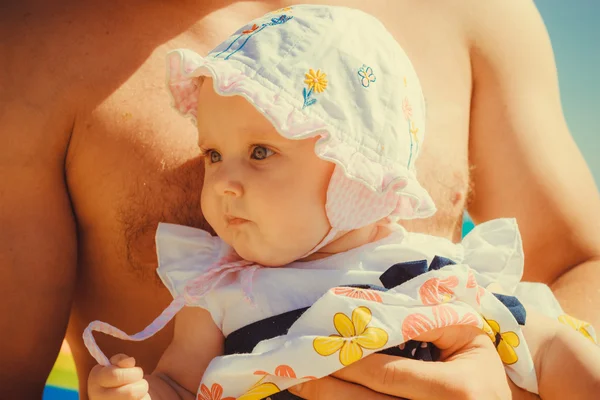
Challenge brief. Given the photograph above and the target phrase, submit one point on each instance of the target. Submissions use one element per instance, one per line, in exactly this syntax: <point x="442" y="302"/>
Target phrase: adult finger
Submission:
<point x="416" y="379"/>
<point x="329" y="388"/>
<point x="112" y="377"/>
<point x="456" y="338"/>
<point x="403" y="377"/>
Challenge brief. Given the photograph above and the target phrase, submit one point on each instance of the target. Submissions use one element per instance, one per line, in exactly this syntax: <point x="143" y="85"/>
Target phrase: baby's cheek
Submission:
<point x="310" y="231"/>
<point x="210" y="213"/>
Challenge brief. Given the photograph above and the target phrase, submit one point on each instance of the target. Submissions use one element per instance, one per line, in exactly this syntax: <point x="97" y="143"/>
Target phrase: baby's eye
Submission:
<point x="261" y="152"/>
<point x="213" y="156"/>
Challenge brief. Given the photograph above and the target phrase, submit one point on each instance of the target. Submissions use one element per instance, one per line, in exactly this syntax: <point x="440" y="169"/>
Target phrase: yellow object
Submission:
<point x="505" y="342"/>
<point x="580" y="326"/>
<point x="63" y="374"/>
<point x="353" y="336"/>
<point x="316" y="81"/>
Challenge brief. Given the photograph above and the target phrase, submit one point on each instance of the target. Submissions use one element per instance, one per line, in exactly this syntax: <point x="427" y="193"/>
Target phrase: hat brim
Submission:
<point x="286" y="113"/>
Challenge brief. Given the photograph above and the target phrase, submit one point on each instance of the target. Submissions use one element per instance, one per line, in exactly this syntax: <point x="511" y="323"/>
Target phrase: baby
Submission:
<point x="310" y="121"/>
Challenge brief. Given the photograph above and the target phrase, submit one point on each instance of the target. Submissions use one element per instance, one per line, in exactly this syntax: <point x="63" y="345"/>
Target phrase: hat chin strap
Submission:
<point x="352" y="205"/>
<point x="324" y="242"/>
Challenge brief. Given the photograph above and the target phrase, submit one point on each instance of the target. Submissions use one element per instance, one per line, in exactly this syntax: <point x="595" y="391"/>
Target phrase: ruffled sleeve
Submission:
<point x="494" y="251"/>
<point x="185" y="254"/>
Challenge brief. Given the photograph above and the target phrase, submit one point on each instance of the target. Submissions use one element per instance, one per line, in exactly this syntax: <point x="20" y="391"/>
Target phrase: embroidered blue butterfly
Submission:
<point x="366" y="75"/>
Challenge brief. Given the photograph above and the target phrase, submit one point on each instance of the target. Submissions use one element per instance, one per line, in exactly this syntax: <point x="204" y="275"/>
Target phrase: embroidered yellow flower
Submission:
<point x="282" y="10"/>
<point x="414" y="131"/>
<point x="505" y="342"/>
<point x="316" y="81"/>
<point x="580" y="326"/>
<point x="354" y="336"/>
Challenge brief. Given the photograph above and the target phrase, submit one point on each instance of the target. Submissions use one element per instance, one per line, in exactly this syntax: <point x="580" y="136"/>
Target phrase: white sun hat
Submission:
<point x="332" y="72"/>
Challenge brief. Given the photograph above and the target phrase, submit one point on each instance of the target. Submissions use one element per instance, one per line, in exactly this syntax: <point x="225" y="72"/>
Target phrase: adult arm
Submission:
<point x="37" y="229"/>
<point x="469" y="369"/>
<point x="566" y="362"/>
<point x="525" y="162"/>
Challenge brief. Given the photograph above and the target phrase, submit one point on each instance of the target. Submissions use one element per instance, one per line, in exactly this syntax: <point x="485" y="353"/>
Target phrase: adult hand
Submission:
<point x="469" y="369"/>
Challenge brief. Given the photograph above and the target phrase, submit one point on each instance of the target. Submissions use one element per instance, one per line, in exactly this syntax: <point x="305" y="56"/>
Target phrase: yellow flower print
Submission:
<point x="580" y="326"/>
<point x="505" y="342"/>
<point x="316" y="81"/>
<point x="260" y="391"/>
<point x="354" y="336"/>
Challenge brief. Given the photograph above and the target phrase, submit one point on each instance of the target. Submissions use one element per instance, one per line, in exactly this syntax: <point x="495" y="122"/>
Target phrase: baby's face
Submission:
<point x="263" y="194"/>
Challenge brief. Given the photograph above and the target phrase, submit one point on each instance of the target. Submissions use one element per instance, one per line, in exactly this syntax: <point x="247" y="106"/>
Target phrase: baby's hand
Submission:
<point x="120" y="381"/>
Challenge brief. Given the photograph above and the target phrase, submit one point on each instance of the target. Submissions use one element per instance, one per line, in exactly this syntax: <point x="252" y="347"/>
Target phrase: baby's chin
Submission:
<point x="265" y="258"/>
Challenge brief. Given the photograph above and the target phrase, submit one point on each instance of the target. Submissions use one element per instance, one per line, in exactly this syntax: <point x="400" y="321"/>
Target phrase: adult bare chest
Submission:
<point x="137" y="164"/>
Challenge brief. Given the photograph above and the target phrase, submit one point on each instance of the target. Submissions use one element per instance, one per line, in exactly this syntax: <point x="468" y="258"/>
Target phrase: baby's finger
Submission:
<point x="112" y="377"/>
<point x="123" y="361"/>
<point x="132" y="391"/>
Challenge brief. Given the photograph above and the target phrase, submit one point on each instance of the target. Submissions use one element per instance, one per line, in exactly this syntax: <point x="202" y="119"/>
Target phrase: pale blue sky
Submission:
<point x="574" y="27"/>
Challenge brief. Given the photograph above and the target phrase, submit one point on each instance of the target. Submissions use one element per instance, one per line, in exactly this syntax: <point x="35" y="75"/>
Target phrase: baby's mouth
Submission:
<point x="234" y="221"/>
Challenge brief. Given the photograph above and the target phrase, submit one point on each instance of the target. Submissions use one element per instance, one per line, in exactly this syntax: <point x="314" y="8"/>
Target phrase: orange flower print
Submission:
<point x="249" y="31"/>
<point x="447" y="316"/>
<point x="415" y="325"/>
<point x="443" y="315"/>
<point x="435" y="290"/>
<point x="357" y="293"/>
<point x="479" y="295"/>
<point x="353" y="336"/>
<point x="215" y="393"/>
<point x="471" y="282"/>
<point x="284" y="371"/>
